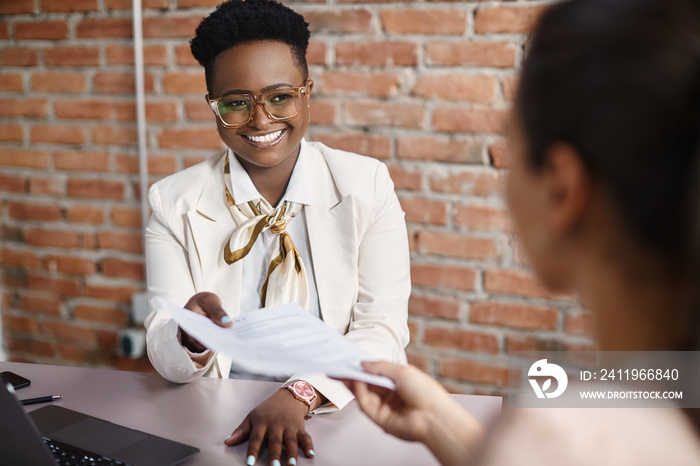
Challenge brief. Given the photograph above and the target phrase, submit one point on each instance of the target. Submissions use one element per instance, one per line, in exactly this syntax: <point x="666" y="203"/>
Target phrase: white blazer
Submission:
<point x="359" y="250"/>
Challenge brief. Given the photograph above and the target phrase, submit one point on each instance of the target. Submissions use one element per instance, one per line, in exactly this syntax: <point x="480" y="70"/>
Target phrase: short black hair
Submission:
<point x="235" y="22"/>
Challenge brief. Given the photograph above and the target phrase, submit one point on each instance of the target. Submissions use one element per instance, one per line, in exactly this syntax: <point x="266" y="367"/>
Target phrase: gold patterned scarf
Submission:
<point x="286" y="276"/>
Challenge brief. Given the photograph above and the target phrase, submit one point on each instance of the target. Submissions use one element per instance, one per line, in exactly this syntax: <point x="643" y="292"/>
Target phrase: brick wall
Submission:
<point x="423" y="86"/>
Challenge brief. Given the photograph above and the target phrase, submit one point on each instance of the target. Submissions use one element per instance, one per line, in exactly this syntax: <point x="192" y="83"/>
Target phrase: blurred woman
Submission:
<point x="604" y="142"/>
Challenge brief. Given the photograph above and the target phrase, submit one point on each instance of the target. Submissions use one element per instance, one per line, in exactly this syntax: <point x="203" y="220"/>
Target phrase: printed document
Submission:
<point x="279" y="341"/>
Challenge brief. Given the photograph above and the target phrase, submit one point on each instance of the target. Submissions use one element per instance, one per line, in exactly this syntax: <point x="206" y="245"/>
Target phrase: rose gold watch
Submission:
<point x="303" y="392"/>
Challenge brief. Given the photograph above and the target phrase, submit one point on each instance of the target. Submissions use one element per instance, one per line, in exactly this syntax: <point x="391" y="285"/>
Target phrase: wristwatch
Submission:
<point x="303" y="392"/>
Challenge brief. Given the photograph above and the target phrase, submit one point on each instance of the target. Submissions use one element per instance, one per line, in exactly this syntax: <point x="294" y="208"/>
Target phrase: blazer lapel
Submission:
<point x="332" y="236"/>
<point x="211" y="225"/>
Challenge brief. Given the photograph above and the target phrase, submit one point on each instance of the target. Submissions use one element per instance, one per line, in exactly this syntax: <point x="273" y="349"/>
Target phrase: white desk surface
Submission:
<point x="205" y="412"/>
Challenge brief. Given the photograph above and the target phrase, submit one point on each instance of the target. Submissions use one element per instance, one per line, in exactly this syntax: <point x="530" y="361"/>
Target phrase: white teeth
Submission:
<point x="265" y="138"/>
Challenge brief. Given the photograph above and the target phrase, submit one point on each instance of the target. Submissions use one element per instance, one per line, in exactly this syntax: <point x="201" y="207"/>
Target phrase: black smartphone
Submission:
<point x="17" y="381"/>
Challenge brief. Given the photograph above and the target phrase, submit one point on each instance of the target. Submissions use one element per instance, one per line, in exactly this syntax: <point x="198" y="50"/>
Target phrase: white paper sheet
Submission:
<point x="279" y="341"/>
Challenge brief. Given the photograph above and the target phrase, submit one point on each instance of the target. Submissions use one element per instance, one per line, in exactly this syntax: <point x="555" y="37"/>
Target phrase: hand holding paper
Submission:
<point x="280" y="341"/>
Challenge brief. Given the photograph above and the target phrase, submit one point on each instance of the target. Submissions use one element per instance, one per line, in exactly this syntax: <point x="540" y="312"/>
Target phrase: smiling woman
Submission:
<point x="273" y="219"/>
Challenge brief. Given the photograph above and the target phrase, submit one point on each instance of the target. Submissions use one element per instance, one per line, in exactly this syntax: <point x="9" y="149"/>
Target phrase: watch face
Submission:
<point x="304" y="390"/>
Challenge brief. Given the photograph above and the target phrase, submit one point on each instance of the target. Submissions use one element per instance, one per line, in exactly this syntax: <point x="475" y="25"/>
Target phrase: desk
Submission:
<point x="203" y="413"/>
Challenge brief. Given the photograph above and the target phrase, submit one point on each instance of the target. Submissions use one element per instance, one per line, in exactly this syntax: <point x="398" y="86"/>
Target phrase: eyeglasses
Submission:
<point x="281" y="104"/>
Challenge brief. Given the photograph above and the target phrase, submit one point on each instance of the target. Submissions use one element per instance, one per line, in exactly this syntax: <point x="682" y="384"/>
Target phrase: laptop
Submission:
<point x="54" y="436"/>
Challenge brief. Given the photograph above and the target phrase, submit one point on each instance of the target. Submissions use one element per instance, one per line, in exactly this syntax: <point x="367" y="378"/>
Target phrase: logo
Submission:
<point x="540" y="370"/>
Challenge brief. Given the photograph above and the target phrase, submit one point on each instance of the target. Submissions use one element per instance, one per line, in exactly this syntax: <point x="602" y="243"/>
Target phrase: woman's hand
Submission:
<point x="280" y="421"/>
<point x="207" y="305"/>
<point x="419" y="409"/>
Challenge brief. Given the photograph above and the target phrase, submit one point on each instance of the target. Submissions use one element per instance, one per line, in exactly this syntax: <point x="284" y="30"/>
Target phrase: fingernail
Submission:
<point x="227" y="438"/>
<point x="311" y="453"/>
<point x="225" y="319"/>
<point x="292" y="461"/>
<point x="276" y="463"/>
<point x="250" y="461"/>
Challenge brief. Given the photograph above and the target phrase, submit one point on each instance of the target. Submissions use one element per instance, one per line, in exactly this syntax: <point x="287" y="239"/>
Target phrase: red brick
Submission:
<point x="71" y="109"/>
<point x="475" y="217"/>
<point x="156" y="112"/>
<point x="471" y="182"/>
<point x="419" y="360"/>
<point x="59" y="83"/>
<point x="15" y="278"/>
<point x="514" y="315"/>
<point x="126" y="217"/>
<point x="4" y="30"/>
<point x="366" y="84"/>
<point x="472" y="371"/>
<point x="18" y="56"/>
<point x="405" y="21"/>
<point x="110" y="293"/>
<point x="381" y="113"/>
<point x="11" y="133"/>
<point x="338" y="22"/>
<point x="112" y="267"/>
<point x="405" y="179"/>
<point x="468" y="120"/>
<point x="54" y="238"/>
<point x="119" y="83"/>
<point x="322" y="113"/>
<point x="127" y="242"/>
<point x="23" y="158"/>
<point x="440" y="150"/>
<point x="90" y="28"/>
<point x="106" y="315"/>
<point x="462" y="53"/>
<point x="153" y="55"/>
<point x="81" y="161"/>
<point x="72" y="56"/>
<point x="516" y="282"/>
<point x="442" y="307"/>
<point x="158" y="27"/>
<point x="455" y="245"/>
<point x="509" y="86"/>
<point x="156" y="165"/>
<point x="70" y="264"/>
<point x="11" y="83"/>
<point x="463" y="340"/>
<point x="189" y="138"/>
<point x="498" y="152"/>
<point x="92" y="188"/>
<point x="198" y="110"/>
<point x="79" y="355"/>
<point x="30" y="346"/>
<point x="377" y="53"/>
<point x="443" y="276"/>
<point x="58" y="286"/>
<point x="316" y="53"/>
<point x="16" y="7"/>
<point x="62" y="6"/>
<point x="34" y="211"/>
<point x="579" y="323"/>
<point x="13" y="184"/>
<point x="57" y="134"/>
<point x="530" y="343"/>
<point x="47" y="185"/>
<point x="28" y="108"/>
<point x="184" y="83"/>
<point x="506" y="19"/>
<point x="420" y="210"/>
<point x="18" y="258"/>
<point x="183" y="56"/>
<point x="41" y="30"/>
<point x="114" y="135"/>
<point x="128" y="4"/>
<point x="375" y="146"/>
<point x="188" y="161"/>
<point x="196" y="3"/>
<point x="69" y="331"/>
<point x="85" y="214"/>
<point x="455" y="87"/>
<point x="38" y="304"/>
